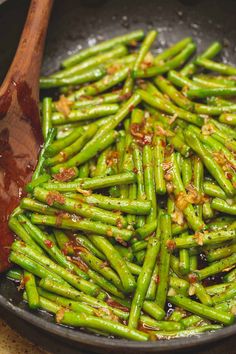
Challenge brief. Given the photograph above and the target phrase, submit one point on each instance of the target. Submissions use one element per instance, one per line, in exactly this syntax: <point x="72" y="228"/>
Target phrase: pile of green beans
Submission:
<point x="128" y="226"/>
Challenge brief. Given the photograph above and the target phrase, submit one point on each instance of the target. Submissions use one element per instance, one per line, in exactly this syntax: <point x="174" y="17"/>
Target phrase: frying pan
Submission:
<point x="75" y="24"/>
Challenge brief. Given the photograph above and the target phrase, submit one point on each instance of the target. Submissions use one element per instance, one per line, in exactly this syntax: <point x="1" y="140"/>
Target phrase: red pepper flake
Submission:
<point x="135" y="170"/>
<point x="228" y="175"/>
<point x="48" y="243"/>
<point x="163" y="143"/>
<point x="112" y="158"/>
<point x="125" y="96"/>
<point x="117" y="305"/>
<point x="131" y="108"/>
<point x="80" y="249"/>
<point x="78" y="261"/>
<point x="192" y="278"/>
<point x="24" y="280"/>
<point x="55" y="197"/>
<point x="171" y="245"/>
<point x="157" y="279"/>
<point x="65" y="174"/>
<point x="119" y="223"/>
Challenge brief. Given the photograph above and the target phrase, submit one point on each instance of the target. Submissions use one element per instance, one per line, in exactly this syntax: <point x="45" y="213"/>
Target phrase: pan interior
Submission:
<point x="78" y="24"/>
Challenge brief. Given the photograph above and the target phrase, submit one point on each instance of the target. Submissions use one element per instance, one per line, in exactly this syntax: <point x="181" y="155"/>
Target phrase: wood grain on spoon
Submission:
<point x="20" y="132"/>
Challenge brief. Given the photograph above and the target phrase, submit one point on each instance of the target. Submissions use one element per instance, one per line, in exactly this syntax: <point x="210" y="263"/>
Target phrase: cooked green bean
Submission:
<point x="130" y="211"/>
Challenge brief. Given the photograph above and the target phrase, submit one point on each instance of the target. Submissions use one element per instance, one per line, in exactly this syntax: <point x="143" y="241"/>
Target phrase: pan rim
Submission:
<point x="92" y="341"/>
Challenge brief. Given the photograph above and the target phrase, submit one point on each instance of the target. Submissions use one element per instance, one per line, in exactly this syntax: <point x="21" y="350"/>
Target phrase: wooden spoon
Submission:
<point x="20" y="132"/>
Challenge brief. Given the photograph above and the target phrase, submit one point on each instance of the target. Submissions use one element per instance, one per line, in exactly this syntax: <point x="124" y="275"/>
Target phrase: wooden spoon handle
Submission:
<point x="29" y="53"/>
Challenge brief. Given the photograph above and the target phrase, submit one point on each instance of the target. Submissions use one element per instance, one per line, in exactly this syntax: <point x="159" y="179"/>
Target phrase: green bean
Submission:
<point x="172" y="50"/>
<point x="133" y="268"/>
<point x="158" y="148"/>
<point x="100" y="267"/>
<point x="107" y="98"/>
<point x="43" y="261"/>
<point x="36" y="182"/>
<point x="202" y="294"/>
<point x="70" y="304"/>
<point x="216" y="267"/>
<point x="210" y="164"/>
<point x="42" y="155"/>
<point x="149" y="182"/>
<point x="211" y="81"/>
<point x="181" y="81"/>
<point x="164" y="261"/>
<point x="31" y="266"/>
<point x="209" y="53"/>
<point x="201" y="309"/>
<point x="62" y="143"/>
<point x="231" y="276"/>
<point x="223" y="206"/>
<point x="115" y="328"/>
<point x="116" y="261"/>
<point x="47" y="116"/>
<point x="186" y="172"/>
<point x="85" y="113"/>
<point x="68" y="292"/>
<point x="147" y="229"/>
<point x="213" y="190"/>
<point x="176" y="315"/>
<point x="63" y="242"/>
<point x="94" y="146"/>
<point x="160" y="325"/>
<point x="193" y="220"/>
<point x="180" y="285"/>
<point x="31" y="290"/>
<point x="151" y="292"/>
<point x="227" y="118"/>
<point x="101" y="47"/>
<point x="166" y="106"/>
<point x="207" y="238"/>
<point x="217" y="67"/>
<point x="228" y="294"/>
<point x="153" y="310"/>
<point x="186" y="333"/>
<point x="226" y="306"/>
<point x="116" y="52"/>
<point x="91" y="183"/>
<point x="84" y="170"/>
<point x="136" y="207"/>
<point x="33" y="205"/>
<point x="15" y="274"/>
<point x="100" y="86"/>
<point x="143" y="282"/>
<point x="184" y="261"/>
<point x="148" y="40"/>
<point x="73" y="148"/>
<point x="173" y="63"/>
<point x="16" y="226"/>
<point x="211" y="91"/>
<point x="177" y="97"/>
<point x="49" y="246"/>
<point x="83" y="225"/>
<point x="219" y="253"/>
<point x="81" y="157"/>
<point x="191" y="321"/>
<point x="92" y="74"/>
<point x="61" y="202"/>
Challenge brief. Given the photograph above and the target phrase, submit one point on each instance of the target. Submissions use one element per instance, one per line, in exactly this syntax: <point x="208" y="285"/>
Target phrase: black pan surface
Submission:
<point x="76" y="24"/>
